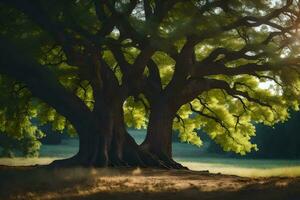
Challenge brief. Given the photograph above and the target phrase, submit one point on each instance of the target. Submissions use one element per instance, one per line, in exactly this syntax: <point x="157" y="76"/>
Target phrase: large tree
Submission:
<point x="93" y="67"/>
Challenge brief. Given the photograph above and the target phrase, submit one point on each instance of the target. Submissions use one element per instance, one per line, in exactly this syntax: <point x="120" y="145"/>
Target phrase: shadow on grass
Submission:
<point x="136" y="184"/>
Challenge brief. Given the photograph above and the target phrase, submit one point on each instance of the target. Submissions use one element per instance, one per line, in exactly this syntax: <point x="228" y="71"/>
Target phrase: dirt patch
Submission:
<point x="82" y="183"/>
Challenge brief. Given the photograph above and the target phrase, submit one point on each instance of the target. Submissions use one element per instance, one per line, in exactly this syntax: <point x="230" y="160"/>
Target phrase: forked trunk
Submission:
<point x="105" y="142"/>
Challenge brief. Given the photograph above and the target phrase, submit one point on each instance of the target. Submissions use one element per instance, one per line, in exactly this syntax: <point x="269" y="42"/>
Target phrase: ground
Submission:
<point x="139" y="184"/>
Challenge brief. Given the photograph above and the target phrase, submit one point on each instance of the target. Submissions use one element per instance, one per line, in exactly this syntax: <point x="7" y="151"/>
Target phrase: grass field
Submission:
<point x="190" y="156"/>
<point x="246" y="168"/>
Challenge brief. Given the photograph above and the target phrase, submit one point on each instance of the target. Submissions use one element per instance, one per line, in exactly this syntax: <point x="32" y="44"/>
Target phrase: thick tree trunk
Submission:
<point x="116" y="148"/>
<point x="158" y="140"/>
<point x="105" y="142"/>
<point x="92" y="148"/>
<point x="159" y="133"/>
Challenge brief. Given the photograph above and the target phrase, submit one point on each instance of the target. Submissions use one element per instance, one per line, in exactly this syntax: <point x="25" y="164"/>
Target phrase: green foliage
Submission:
<point x="135" y="112"/>
<point x="165" y="66"/>
<point x="17" y="109"/>
<point x="22" y="115"/>
<point x="187" y="126"/>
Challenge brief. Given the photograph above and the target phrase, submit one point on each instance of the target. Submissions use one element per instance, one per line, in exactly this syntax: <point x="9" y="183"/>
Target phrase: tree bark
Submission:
<point x="159" y="133"/>
<point x="158" y="140"/>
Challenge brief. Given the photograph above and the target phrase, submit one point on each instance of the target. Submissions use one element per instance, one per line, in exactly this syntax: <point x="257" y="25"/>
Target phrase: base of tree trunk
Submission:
<point x="68" y="162"/>
<point x="137" y="158"/>
<point x="116" y="148"/>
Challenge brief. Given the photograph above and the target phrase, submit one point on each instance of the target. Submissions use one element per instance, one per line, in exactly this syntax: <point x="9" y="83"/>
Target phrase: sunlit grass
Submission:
<point x="20" y="161"/>
<point x="289" y="171"/>
<point x="184" y="154"/>
<point x="235" y="167"/>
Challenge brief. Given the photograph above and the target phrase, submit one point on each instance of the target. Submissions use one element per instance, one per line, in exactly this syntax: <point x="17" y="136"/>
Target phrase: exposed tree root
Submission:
<point x="139" y="158"/>
<point x="124" y="152"/>
<point x="68" y="162"/>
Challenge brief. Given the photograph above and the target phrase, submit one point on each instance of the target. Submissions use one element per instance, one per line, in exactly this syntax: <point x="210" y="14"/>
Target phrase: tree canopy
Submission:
<point x="220" y="66"/>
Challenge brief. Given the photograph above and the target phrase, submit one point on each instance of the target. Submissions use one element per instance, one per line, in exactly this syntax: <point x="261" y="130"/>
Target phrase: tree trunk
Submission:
<point x="158" y="140"/>
<point x="124" y="150"/>
<point x="92" y="147"/>
<point x="159" y="133"/>
<point x="106" y="142"/>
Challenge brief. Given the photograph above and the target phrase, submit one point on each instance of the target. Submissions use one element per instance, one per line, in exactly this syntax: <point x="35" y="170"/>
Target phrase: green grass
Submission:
<point x="186" y="154"/>
<point x="214" y="165"/>
<point x="284" y="171"/>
